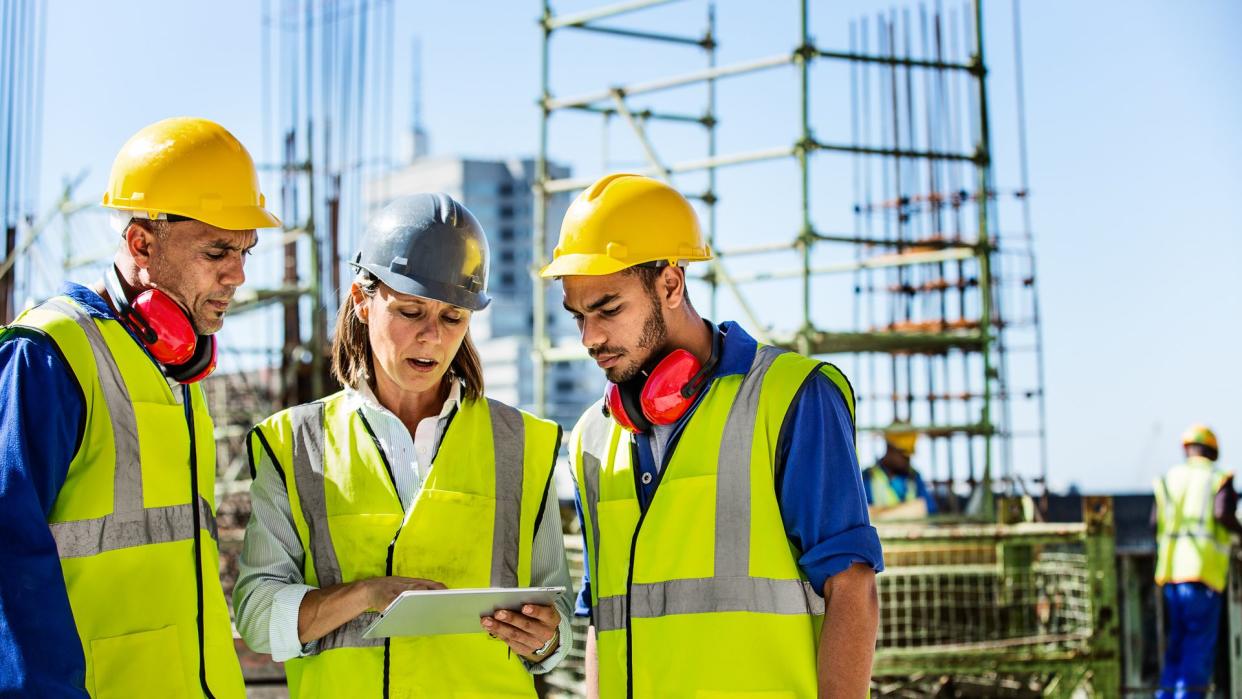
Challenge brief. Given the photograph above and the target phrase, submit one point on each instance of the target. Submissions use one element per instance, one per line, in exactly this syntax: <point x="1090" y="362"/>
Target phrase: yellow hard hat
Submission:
<point x="901" y="437"/>
<point x="624" y="220"/>
<point x="189" y="167"/>
<point x="1199" y="434"/>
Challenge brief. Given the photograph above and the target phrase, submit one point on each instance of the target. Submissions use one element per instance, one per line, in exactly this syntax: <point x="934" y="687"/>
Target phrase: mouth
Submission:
<point x="422" y="364"/>
<point x="220" y="306"/>
<point x="607" y="361"/>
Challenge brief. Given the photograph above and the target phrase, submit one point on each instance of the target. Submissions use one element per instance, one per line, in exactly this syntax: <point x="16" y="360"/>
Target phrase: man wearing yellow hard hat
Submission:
<point x="109" y="577"/>
<point x="894" y="488"/>
<point x="729" y="549"/>
<point x="1196" y="517"/>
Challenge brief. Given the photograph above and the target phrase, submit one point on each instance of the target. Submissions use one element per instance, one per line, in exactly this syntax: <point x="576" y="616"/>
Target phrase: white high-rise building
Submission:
<point x="499" y="194"/>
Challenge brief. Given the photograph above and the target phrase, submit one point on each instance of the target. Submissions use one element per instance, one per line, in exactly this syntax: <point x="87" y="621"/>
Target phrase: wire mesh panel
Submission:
<point x="1023" y="609"/>
<point x="975" y="594"/>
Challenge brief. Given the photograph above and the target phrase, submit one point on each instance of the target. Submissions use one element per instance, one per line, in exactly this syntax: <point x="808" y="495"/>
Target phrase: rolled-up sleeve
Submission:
<point x="270" y="585"/>
<point x="820" y="487"/>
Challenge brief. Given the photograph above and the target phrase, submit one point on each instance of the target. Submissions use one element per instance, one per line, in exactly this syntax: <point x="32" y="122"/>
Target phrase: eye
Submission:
<point x="610" y="312"/>
<point x="216" y="256"/>
<point x="418" y="313"/>
<point x="452" y="319"/>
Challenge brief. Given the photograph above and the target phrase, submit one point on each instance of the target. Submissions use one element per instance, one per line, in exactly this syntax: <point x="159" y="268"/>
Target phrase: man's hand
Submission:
<point x="525" y="632"/>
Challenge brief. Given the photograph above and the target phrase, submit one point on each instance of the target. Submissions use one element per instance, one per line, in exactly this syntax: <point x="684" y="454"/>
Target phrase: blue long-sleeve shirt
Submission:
<point x="42" y="415"/>
<point x="819" y="485"/>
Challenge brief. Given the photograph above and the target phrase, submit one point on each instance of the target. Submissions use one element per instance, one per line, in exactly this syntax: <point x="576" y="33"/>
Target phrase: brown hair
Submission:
<point x="351" y="347"/>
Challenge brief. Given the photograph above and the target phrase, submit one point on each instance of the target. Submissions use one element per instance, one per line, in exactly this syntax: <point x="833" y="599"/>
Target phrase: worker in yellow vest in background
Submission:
<point x="895" y="490"/>
<point x="729" y="552"/>
<point x="1195" y="514"/>
<point x="109" y="572"/>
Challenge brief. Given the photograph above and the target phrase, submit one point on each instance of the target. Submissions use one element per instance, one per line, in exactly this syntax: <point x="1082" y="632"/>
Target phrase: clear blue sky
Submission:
<point x="1136" y="163"/>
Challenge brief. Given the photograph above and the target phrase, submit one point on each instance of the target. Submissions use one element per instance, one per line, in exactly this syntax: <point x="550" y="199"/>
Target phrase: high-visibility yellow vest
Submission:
<point x="701" y="595"/>
<point x="143" y="580"/>
<point x="1191" y="544"/>
<point x="882" y="492"/>
<point x="472" y="524"/>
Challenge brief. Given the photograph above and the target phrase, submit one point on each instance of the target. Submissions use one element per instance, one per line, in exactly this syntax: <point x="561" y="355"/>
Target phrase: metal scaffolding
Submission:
<point x="937" y="290"/>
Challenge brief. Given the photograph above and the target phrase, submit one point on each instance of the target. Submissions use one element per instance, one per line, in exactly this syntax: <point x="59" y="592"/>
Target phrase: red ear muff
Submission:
<point x="614" y="407"/>
<point x="200" y="364"/>
<point x="174" y="337"/>
<point x="663" y="397"/>
<point x="166" y="330"/>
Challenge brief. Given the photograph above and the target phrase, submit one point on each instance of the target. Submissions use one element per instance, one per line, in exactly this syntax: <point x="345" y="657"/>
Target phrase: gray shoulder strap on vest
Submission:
<point x="130" y="524"/>
<point x="509" y="445"/>
<point x="308" y="453"/>
<point x="308" y="467"/>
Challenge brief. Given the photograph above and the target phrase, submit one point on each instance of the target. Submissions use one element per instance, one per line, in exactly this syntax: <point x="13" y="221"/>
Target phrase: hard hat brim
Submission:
<point x="596" y="265"/>
<point x="234" y="219"/>
<point x="582" y="264"/>
<point x="444" y="293"/>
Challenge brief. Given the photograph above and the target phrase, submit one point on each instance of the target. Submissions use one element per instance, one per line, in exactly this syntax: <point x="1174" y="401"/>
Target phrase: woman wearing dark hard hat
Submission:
<point x="407" y="479"/>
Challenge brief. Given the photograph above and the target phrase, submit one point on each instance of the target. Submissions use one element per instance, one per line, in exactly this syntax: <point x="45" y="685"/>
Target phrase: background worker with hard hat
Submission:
<point x="409" y="478"/>
<point x="722" y="503"/>
<point x="109" y="581"/>
<point x="1196" y="511"/>
<point x="894" y="487"/>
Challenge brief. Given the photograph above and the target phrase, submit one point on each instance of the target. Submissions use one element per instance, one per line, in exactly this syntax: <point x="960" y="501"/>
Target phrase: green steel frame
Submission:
<point x="980" y="340"/>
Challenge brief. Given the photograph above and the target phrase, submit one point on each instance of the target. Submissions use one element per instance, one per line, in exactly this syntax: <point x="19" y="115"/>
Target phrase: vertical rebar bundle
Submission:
<point x="23" y="32"/>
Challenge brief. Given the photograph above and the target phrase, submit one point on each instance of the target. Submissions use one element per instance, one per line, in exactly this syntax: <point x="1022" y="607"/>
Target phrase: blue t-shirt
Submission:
<point x="42" y="415"/>
<point x="819" y="485"/>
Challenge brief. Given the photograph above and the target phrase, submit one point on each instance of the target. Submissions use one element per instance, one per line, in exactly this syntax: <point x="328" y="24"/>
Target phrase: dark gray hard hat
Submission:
<point x="428" y="245"/>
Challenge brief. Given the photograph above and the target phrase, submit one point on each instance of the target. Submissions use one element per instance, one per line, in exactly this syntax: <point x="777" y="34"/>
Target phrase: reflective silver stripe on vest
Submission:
<point x="709" y="595"/>
<point x="129" y="524"/>
<point x="733" y="471"/>
<point x="308" y="465"/>
<point x="127" y="478"/>
<point x="509" y="445"/>
<point x="153" y="525"/>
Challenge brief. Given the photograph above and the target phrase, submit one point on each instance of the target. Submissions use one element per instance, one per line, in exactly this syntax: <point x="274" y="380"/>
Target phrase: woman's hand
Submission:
<point x="382" y="591"/>
<point x="526" y="631"/>
<point x="325" y="610"/>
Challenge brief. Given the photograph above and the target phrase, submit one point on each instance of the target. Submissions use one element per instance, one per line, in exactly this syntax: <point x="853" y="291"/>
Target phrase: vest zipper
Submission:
<point x="392" y="545"/>
<point x="187" y="404"/>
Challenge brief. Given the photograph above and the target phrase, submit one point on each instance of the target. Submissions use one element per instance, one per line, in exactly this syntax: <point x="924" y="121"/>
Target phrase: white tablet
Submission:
<point x="433" y="612"/>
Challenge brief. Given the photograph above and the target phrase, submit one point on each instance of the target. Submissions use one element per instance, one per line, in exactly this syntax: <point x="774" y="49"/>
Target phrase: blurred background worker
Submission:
<point x="895" y="490"/>
<point x="1196" y="510"/>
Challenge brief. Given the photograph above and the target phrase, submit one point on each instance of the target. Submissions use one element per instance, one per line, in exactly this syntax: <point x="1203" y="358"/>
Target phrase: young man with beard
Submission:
<point x="109" y="574"/>
<point x="728" y="544"/>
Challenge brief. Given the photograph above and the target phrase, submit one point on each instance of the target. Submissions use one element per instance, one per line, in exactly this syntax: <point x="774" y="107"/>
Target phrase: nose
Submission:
<point x="234" y="273"/>
<point x="429" y="331"/>
<point x="592" y="336"/>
